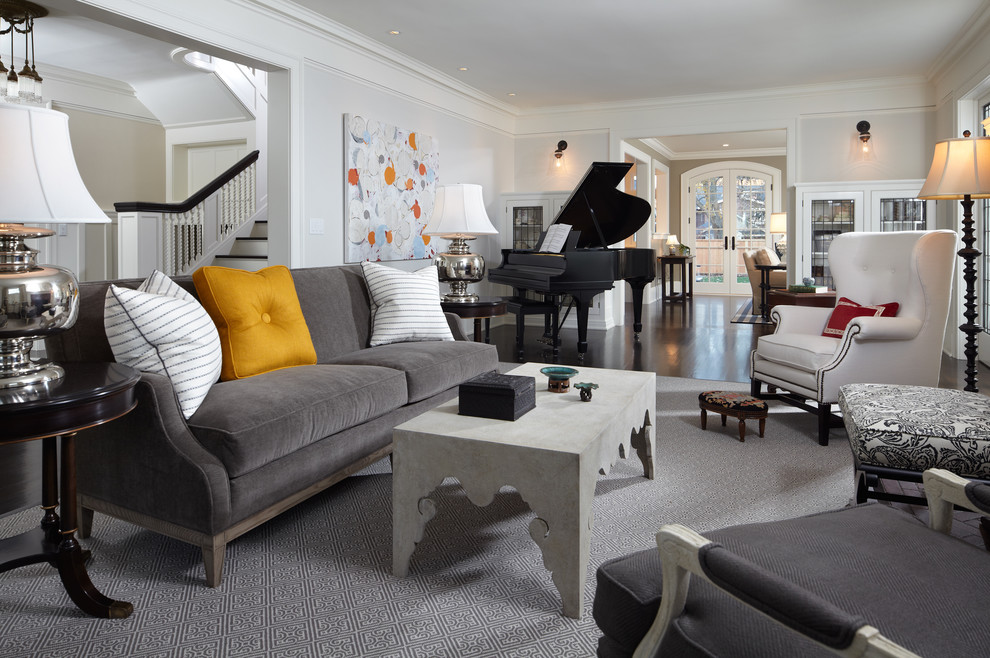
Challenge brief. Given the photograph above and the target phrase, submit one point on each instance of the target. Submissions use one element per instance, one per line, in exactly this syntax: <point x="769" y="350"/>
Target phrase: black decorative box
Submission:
<point x="493" y="395"/>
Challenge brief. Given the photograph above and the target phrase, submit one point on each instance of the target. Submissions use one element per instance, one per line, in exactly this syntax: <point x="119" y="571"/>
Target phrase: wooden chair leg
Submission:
<point x="704" y="419"/>
<point x="824" y="422"/>
<point x="85" y="517"/>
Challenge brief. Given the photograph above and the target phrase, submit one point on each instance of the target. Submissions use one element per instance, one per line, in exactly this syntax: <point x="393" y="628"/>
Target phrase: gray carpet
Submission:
<point x="317" y="580"/>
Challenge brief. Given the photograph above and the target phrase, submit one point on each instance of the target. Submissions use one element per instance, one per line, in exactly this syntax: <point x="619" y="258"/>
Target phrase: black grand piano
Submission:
<point x="599" y="215"/>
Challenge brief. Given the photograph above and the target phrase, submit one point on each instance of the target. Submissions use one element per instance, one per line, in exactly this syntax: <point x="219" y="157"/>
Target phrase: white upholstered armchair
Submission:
<point x="912" y="268"/>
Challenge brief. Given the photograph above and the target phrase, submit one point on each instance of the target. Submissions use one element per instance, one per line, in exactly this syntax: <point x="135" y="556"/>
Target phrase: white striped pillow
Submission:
<point x="405" y="306"/>
<point x="161" y="328"/>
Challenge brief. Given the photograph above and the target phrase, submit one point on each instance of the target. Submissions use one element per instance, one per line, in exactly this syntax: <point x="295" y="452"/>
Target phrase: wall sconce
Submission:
<point x="558" y="155"/>
<point x="864" y="134"/>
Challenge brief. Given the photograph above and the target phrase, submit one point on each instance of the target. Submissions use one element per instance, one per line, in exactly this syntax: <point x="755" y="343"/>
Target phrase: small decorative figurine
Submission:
<point x="558" y="378"/>
<point x="808" y="281"/>
<point x="586" y="388"/>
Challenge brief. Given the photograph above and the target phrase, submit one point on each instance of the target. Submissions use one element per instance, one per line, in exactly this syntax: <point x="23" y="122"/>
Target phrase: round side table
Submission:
<point x="485" y="309"/>
<point x="89" y="394"/>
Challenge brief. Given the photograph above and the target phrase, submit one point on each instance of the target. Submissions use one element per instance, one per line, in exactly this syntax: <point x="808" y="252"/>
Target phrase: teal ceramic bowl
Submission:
<point x="558" y="378"/>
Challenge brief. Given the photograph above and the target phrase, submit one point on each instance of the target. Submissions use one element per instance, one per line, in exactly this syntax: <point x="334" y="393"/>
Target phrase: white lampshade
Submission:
<point x="959" y="167"/>
<point x="778" y="222"/>
<point x="459" y="210"/>
<point x="39" y="180"/>
<point x="672" y="240"/>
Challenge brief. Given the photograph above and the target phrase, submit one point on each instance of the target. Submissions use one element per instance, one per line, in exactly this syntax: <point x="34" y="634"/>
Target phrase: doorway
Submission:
<point x="728" y="205"/>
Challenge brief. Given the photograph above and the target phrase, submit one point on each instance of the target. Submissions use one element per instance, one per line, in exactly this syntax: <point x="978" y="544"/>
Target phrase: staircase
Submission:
<point x="249" y="252"/>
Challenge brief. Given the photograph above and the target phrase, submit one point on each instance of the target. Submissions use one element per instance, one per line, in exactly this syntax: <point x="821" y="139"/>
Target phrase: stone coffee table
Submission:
<point x="552" y="456"/>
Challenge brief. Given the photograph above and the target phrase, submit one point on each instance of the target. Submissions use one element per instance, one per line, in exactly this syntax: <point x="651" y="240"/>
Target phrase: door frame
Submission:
<point x="729" y="167"/>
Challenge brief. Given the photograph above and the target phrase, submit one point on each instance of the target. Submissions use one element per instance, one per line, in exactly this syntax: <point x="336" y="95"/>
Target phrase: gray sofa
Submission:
<point x="257" y="446"/>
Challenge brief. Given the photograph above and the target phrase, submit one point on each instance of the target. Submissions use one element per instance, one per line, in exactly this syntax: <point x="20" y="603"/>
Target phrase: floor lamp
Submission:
<point x="961" y="170"/>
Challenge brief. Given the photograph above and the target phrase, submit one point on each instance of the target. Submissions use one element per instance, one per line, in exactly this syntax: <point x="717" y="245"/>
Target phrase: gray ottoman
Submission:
<point x="896" y="432"/>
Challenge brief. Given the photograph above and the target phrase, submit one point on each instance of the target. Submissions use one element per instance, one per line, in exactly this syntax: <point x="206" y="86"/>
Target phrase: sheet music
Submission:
<point x="555" y="239"/>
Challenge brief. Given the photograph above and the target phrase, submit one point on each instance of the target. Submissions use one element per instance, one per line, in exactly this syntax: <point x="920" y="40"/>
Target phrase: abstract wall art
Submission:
<point x="391" y="178"/>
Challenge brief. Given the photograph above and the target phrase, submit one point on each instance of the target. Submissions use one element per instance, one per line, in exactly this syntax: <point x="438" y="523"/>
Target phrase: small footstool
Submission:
<point x="737" y="405"/>
<point x="897" y="432"/>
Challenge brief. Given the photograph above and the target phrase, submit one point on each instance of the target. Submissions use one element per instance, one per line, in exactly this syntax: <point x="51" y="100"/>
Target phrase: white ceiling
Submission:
<point x="552" y="53"/>
<point x="566" y="52"/>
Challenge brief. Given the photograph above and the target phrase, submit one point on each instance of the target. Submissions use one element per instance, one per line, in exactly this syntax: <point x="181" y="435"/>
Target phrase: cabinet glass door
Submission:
<point x="829" y="218"/>
<point x="527" y="221"/>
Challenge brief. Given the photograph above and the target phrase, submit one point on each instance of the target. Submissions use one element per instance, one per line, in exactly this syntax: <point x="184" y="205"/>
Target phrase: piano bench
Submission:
<point x="521" y="307"/>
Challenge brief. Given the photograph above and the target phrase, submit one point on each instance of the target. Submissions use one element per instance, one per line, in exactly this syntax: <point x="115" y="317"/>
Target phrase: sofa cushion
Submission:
<point x="247" y="423"/>
<point x="258" y="316"/>
<point x="804" y="351"/>
<point x="846" y="309"/>
<point x="429" y="367"/>
<point x="161" y="328"/>
<point x="405" y="305"/>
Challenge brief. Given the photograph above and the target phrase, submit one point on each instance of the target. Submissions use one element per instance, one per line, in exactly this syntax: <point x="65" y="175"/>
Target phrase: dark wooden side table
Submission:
<point x="485" y="309"/>
<point x="667" y="265"/>
<point x="765" y="287"/>
<point x="787" y="298"/>
<point x="89" y="394"/>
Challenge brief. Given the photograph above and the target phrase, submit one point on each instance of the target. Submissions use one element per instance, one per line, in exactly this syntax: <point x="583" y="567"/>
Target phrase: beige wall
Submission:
<point x="119" y="159"/>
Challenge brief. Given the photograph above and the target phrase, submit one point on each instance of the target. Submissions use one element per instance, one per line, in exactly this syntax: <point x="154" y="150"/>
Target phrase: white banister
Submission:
<point x="178" y="238"/>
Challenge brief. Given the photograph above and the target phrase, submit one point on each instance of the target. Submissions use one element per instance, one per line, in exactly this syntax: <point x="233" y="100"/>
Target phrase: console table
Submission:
<point x="89" y="394"/>
<point x="667" y="265"/>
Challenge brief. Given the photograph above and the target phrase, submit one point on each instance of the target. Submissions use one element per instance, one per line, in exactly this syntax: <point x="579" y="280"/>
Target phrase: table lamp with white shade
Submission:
<point x="39" y="183"/>
<point x="672" y="244"/>
<point x="459" y="215"/>
<point x="778" y="226"/>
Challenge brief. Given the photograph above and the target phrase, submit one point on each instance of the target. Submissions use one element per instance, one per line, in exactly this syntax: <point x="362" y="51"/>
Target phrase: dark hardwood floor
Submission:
<point x="695" y="340"/>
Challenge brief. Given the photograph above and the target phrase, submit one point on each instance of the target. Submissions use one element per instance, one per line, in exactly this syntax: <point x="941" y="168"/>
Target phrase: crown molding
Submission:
<point x="103" y="87"/>
<point x="659" y="147"/>
<point x="723" y="154"/>
<point x="974" y="32"/>
<point x="725" y="98"/>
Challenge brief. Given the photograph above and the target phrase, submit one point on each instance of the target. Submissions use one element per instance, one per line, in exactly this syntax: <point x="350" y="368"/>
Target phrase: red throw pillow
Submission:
<point x="846" y="309"/>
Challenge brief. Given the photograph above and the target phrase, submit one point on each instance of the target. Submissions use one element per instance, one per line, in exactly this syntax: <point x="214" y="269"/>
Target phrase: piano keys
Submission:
<point x="599" y="215"/>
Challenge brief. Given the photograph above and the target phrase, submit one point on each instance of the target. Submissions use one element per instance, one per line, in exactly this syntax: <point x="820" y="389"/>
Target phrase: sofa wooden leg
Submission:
<point x="754" y="387"/>
<point x="213" y="561"/>
<point x="824" y="422"/>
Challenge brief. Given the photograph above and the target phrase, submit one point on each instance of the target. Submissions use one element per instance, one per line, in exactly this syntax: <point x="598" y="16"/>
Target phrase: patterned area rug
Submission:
<point x="745" y="315"/>
<point x="317" y="581"/>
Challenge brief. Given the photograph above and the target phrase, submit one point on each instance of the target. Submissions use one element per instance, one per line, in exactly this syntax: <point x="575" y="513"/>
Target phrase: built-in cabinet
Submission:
<point x="825" y="210"/>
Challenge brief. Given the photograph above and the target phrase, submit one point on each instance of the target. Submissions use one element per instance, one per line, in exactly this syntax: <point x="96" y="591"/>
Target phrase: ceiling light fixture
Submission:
<point x="462" y="68"/>
<point x="725" y="146"/>
<point x="394" y="33"/>
<point x="17" y="17"/>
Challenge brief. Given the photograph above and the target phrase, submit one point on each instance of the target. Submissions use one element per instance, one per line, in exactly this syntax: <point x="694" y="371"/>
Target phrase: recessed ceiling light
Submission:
<point x="725" y="146"/>
<point x="512" y="93"/>
<point x="462" y="68"/>
<point x="394" y="33"/>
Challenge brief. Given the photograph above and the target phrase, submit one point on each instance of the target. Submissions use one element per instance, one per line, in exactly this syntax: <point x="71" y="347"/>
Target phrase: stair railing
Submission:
<point x="176" y="238"/>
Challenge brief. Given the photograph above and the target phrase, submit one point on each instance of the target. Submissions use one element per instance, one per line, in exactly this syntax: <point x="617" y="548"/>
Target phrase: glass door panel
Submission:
<point x="709" y="233"/>
<point x="751" y="224"/>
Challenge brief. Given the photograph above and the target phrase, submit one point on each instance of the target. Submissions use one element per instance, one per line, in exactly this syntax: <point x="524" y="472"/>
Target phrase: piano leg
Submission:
<point x="637" y="286"/>
<point x="582" y="300"/>
<point x="520" y="329"/>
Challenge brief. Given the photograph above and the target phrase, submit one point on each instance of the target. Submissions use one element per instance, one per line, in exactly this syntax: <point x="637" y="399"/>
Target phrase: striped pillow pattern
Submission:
<point x="162" y="329"/>
<point x="405" y="305"/>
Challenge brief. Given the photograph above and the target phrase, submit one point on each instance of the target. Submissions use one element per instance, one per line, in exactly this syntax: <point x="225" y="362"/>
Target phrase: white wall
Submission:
<point x="467" y="154"/>
<point x="533" y="167"/>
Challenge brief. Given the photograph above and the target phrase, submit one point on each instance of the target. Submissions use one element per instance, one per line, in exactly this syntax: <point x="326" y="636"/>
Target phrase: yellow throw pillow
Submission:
<point x="258" y="317"/>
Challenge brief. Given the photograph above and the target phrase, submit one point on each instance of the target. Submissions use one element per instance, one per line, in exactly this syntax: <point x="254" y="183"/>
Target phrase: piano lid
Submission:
<point x="603" y="214"/>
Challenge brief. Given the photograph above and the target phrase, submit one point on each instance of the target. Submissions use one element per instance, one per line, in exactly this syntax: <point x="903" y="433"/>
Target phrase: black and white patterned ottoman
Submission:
<point x="897" y="432"/>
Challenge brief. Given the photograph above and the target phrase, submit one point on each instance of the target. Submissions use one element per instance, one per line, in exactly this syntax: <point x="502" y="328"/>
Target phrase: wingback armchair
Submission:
<point x="912" y="268"/>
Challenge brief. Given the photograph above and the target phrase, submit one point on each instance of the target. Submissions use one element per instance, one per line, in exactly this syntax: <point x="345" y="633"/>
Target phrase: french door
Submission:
<point x="729" y="210"/>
